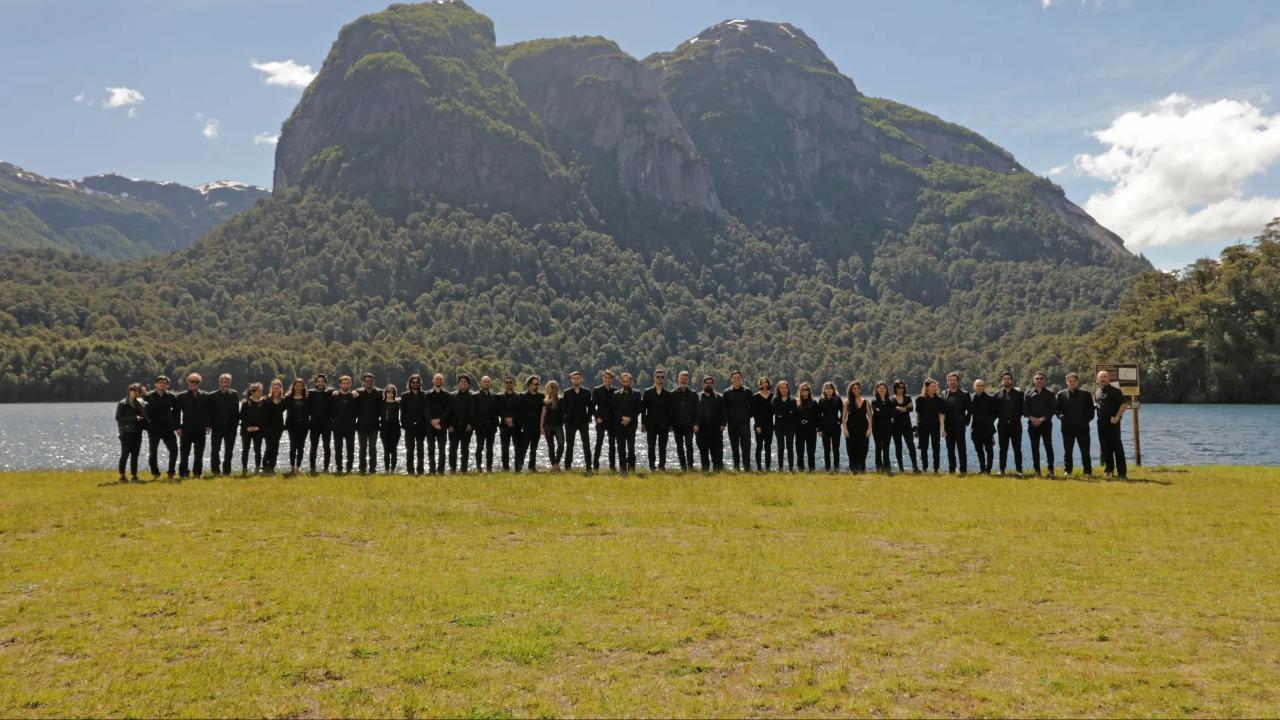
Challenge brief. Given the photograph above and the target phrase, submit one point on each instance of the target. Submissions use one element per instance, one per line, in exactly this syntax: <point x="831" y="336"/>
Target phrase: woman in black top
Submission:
<point x="830" y="413"/>
<point x="762" y="417"/>
<point x="297" y="421"/>
<point x="273" y="409"/>
<point x="251" y="419"/>
<point x="553" y="424"/>
<point x="882" y="425"/>
<point x="389" y="428"/>
<point x="902" y="408"/>
<point x="784" y="424"/>
<point x="857" y="427"/>
<point x="131" y="418"/>
<point x="929" y="409"/>
<point x="807" y="417"/>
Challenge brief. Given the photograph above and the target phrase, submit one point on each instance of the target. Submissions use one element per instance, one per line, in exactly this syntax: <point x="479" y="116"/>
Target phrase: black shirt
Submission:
<point x="194" y="408"/>
<point x="1109" y="400"/>
<point x="1075" y="408"/>
<point x="628" y="403"/>
<point x="958" y="408"/>
<point x="656" y="408"/>
<point x="829" y="409"/>
<point x="368" y="408"/>
<point x="737" y="406"/>
<point x="983" y="413"/>
<point x="297" y="411"/>
<point x="463" y="408"/>
<point x="1039" y="404"/>
<point x="162" y="411"/>
<point x="320" y="408"/>
<point x="929" y="411"/>
<point x="390" y="416"/>
<point x="1009" y="405"/>
<point x="342" y="410"/>
<point x="855" y="419"/>
<point x="602" y="402"/>
<point x="273" y="416"/>
<point x="439" y="407"/>
<point x="882" y="412"/>
<point x="251" y="416"/>
<point x="224" y="410"/>
<point x="507" y="405"/>
<point x="484" y="411"/>
<point x="711" y="412"/>
<point x="762" y="410"/>
<point x="529" y="411"/>
<point x="575" y="405"/>
<point x="901" y="418"/>
<point x="684" y="408"/>
<point x="784" y="412"/>
<point x="807" y="414"/>
<point x="413" y="410"/>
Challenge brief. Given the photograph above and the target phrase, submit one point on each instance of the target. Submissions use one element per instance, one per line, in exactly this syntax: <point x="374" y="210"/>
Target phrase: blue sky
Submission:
<point x="1183" y="92"/>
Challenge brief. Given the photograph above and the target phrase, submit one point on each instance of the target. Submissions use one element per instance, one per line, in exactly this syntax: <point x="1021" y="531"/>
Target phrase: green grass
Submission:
<point x="688" y="595"/>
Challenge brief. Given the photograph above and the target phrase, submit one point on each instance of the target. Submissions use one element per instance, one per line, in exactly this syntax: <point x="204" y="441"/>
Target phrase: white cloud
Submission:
<point x="118" y="97"/>
<point x="285" y="73"/>
<point x="210" y="130"/>
<point x="1179" y="169"/>
<point x="78" y="98"/>
<point x="265" y="139"/>
<point x="1046" y="4"/>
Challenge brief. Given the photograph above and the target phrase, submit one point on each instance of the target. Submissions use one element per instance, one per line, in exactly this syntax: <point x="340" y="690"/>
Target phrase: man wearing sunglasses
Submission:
<point x="193" y="411"/>
<point x="656" y="420"/>
<point x="413" y="418"/>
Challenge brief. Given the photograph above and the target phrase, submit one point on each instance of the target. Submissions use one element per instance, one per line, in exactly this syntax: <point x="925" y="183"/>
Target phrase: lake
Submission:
<point x="82" y="436"/>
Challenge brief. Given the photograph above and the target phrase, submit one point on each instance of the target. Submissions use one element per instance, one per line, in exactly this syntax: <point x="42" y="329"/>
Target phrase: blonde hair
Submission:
<point x="552" y="391"/>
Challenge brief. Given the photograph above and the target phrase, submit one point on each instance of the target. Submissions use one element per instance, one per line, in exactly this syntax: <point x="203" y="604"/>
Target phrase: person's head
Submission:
<point x="389" y="393"/>
<point x="784" y="389"/>
<point x="344" y="383"/>
<point x="437" y="380"/>
<point x="321" y="381"/>
<point x="806" y="392"/>
<point x="626" y="380"/>
<point x="930" y="388"/>
<point x="659" y="377"/>
<point x="298" y="388"/>
<point x="193" y="381"/>
<point x="606" y="378"/>
<point x="1038" y="380"/>
<point x="224" y="381"/>
<point x="255" y="390"/>
<point x="764" y="384"/>
<point x="881" y="390"/>
<point x="277" y="388"/>
<point x="367" y="380"/>
<point x="575" y="379"/>
<point x="509" y="384"/>
<point x="683" y="378"/>
<point x="464" y="383"/>
<point x="485" y="383"/>
<point x="553" y="391"/>
<point x="1073" y="381"/>
<point x="1104" y="378"/>
<point x="828" y="389"/>
<point x="854" y="390"/>
<point x="1006" y="380"/>
<point x="532" y="383"/>
<point x="135" y="390"/>
<point x="415" y="382"/>
<point x="735" y="379"/>
<point x="162" y="383"/>
<point x="899" y="388"/>
<point x="708" y="384"/>
<point x="979" y="385"/>
<point x="953" y="381"/>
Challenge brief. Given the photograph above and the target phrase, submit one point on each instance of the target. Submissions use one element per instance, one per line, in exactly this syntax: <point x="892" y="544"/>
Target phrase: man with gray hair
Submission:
<point x="1110" y="403"/>
<point x="193" y="425"/>
<point x="224" y="419"/>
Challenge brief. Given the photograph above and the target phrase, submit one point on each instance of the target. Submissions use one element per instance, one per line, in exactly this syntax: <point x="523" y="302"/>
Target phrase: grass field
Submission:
<point x="563" y="595"/>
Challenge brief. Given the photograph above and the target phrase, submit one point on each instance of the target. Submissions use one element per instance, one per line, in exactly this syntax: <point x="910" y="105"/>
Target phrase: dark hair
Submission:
<point x="531" y="380"/>
<point x="135" y="387"/>
<point x="466" y="377"/>
<point x="162" y="377"/>
<point x="294" y="384"/>
<point x="1073" y="375"/>
<point x="848" y="391"/>
<point x="389" y="389"/>
<point x="320" y="376"/>
<point x="875" y="392"/>
<point x="1006" y="372"/>
<point x="414" y="376"/>
<point x="898" y="383"/>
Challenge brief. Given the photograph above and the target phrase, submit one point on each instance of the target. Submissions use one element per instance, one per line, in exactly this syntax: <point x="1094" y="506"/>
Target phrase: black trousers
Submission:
<point x="764" y="447"/>
<point x="1042" y="434"/>
<point x="484" y="448"/>
<point x="657" y="437"/>
<point x="881" y="435"/>
<point x="170" y="443"/>
<point x="855" y="446"/>
<point x="192" y="441"/>
<point x="957" y="446"/>
<point x="554" y="435"/>
<point x="606" y="429"/>
<point x="807" y="447"/>
<point x="271" y="449"/>
<point x="344" y="445"/>
<point x="831" y="448"/>
<point x="390" y="437"/>
<point x="414" y="439"/>
<point x="1070" y="437"/>
<point x="368" y="440"/>
<point x="684" y="446"/>
<point x="320" y="436"/>
<point x="985" y="446"/>
<point x="711" y="448"/>
<point x="222" y="447"/>
<point x="1010" y="433"/>
<point x="1112" y="447"/>
<point x="527" y="448"/>
<point x="930" y="437"/>
<point x="297" y="446"/>
<point x="901" y="436"/>
<point x="437" y="440"/>
<point x="785" y="435"/>
<point x="130" y="446"/>
<point x="251" y="441"/>
<point x="459" y="444"/>
<point x="572" y="433"/>
<point x="626" y="435"/>
<point x="508" y="436"/>
<point x="740" y="446"/>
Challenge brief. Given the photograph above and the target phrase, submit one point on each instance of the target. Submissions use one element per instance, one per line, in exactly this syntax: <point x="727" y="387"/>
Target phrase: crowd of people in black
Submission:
<point x="353" y="422"/>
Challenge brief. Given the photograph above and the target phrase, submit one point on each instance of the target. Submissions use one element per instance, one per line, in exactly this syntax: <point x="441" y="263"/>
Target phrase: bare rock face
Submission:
<point x="605" y="114"/>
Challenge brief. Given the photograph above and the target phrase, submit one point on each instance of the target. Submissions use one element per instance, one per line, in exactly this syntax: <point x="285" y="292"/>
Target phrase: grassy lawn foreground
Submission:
<point x="563" y="595"/>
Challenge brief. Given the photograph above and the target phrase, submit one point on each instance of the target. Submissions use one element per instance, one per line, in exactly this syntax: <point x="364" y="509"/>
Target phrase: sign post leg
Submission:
<point x="1137" y="439"/>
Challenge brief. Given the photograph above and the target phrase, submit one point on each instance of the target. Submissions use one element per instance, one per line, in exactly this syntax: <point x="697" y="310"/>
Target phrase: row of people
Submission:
<point x="352" y="422"/>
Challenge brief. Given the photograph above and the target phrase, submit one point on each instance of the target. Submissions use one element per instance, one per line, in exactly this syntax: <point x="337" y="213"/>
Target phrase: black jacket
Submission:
<point x="808" y="415"/>
<point x="1075" y="409"/>
<point x="958" y="408"/>
<point x="507" y="405"/>
<point x="130" y="419"/>
<point x="737" y="407"/>
<point x="273" y="416"/>
<point x="929" y="411"/>
<point x="684" y="408"/>
<point x="1041" y="404"/>
<point x="252" y="415"/>
<point x="576" y="407"/>
<point x="762" y="410"/>
<point x="1009" y="404"/>
<point x="343" y="409"/>
<point x="162" y="412"/>
<point x="439" y="407"/>
<point x="785" y="412"/>
<point x="194" y="408"/>
<point x="463" y="408"/>
<point x="224" y="410"/>
<point x="368" y="409"/>
<point x="657" y="409"/>
<point x="413" y="410"/>
<point x="320" y="409"/>
<point x="298" y="412"/>
<point x="982" y="413"/>
<point x="529" y="411"/>
<point x="602" y="403"/>
<point x="829" y="409"/>
<point x="628" y="403"/>
<point x="390" y="416"/>
<point x="484" y="411"/>
<point x="711" y="412"/>
<point x="882" y="412"/>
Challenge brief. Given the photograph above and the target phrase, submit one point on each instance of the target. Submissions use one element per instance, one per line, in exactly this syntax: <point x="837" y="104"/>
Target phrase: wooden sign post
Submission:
<point x="1125" y="377"/>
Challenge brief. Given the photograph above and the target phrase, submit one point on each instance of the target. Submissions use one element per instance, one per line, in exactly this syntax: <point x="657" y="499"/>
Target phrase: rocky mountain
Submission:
<point x="112" y="217"/>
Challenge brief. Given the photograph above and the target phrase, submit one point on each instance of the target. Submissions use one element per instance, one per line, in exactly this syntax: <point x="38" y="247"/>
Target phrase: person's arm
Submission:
<point x="1124" y="405"/>
<point x="866" y="407"/>
<point x="542" y="420"/>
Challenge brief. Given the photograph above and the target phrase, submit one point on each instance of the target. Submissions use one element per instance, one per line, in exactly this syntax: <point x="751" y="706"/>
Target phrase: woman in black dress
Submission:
<point x="131" y="418"/>
<point x="882" y="425"/>
<point x="807" y="418"/>
<point x="929" y="409"/>
<point x="784" y="424"/>
<point x="272" y="426"/>
<point x="762" y="417"/>
<point x="857" y="427"/>
<point x="902" y="407"/>
<point x="297" y="422"/>
<point x="251" y="419"/>
<point x="389" y="429"/>
<point x="830" y="414"/>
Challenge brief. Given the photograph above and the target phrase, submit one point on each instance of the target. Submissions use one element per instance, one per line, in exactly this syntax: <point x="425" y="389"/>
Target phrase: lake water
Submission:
<point x="82" y="436"/>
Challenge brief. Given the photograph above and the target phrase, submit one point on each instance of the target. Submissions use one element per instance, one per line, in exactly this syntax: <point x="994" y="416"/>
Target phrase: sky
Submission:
<point x="1159" y="117"/>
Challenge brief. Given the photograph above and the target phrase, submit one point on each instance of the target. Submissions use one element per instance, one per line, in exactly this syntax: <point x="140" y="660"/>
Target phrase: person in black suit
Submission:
<point x="656" y="420"/>
<point x="737" y="411"/>
<point x="957" y="412"/>
<point x="628" y="405"/>
<point x="224" y="421"/>
<point x="1009" y="408"/>
<point x="528" y="422"/>
<point x="368" y="420"/>
<point x="193" y="425"/>
<point x="439" y="411"/>
<point x="319" y="411"/>
<point x="712" y="419"/>
<point x="508" y="407"/>
<point x="413" y="421"/>
<point x="1075" y="412"/>
<point x="1039" y="406"/>
<point x="1111" y="403"/>
<point x="606" y="423"/>
<point x="484" y="418"/>
<point x="684" y="416"/>
<point x="162" y="421"/>
<point x="576" y="411"/>
<point x="460" y="427"/>
<point x="343" y="404"/>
